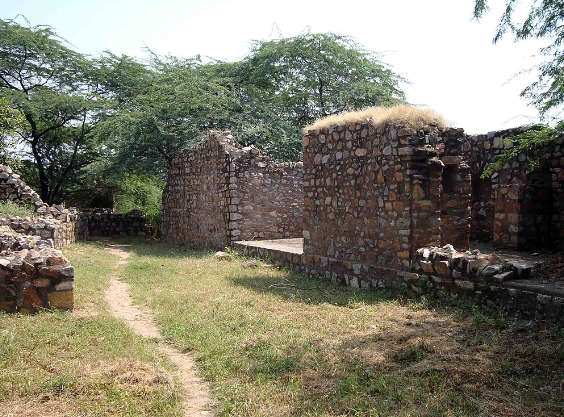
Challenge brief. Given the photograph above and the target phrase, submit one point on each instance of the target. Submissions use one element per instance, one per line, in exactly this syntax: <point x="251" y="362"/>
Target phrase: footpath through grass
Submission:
<point x="84" y="363"/>
<point x="273" y="343"/>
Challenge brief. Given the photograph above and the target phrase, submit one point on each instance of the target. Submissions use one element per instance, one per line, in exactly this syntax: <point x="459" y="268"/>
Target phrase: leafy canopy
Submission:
<point x="545" y="20"/>
<point x="315" y="75"/>
<point x="54" y="88"/>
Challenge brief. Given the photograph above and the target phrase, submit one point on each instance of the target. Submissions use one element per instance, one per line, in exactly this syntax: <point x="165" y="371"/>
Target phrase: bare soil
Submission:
<point x="197" y="399"/>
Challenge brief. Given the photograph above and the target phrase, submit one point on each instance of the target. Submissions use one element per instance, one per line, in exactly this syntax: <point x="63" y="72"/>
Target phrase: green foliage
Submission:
<point x="14" y="208"/>
<point x="54" y="88"/>
<point x="315" y="75"/>
<point x="526" y="143"/>
<point x="545" y="20"/>
<point x="10" y="120"/>
<point x="140" y="192"/>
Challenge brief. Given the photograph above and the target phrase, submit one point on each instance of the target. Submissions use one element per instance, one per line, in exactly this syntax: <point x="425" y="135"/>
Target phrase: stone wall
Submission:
<point x="35" y="279"/>
<point x="216" y="194"/>
<point x="519" y="207"/>
<point x="486" y="279"/>
<point x="373" y="196"/>
<point x="33" y="274"/>
<point x="265" y="198"/>
<point x="55" y="222"/>
<point x="104" y="222"/>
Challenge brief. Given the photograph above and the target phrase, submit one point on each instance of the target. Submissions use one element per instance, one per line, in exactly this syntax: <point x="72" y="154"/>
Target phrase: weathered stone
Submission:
<point x="63" y="300"/>
<point x="522" y="270"/>
<point x="223" y="256"/>
<point x="442" y="267"/>
<point x="250" y="264"/>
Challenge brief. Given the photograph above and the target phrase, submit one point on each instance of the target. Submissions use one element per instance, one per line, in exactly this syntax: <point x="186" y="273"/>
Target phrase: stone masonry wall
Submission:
<point x="216" y="194"/>
<point x="35" y="279"/>
<point x="267" y="202"/>
<point x="103" y="222"/>
<point x="519" y="207"/>
<point x="372" y="198"/>
<point x="33" y="274"/>
<point x="195" y="211"/>
<point x="50" y="222"/>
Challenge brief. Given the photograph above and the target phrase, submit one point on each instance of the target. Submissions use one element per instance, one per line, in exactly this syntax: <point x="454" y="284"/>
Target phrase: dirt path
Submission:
<point x="196" y="400"/>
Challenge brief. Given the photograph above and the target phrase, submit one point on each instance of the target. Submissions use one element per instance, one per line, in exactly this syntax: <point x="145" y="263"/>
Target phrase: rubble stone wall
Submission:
<point x="267" y="202"/>
<point x="195" y="196"/>
<point x="519" y="207"/>
<point x="50" y="222"/>
<point x="216" y="194"/>
<point x="104" y="222"/>
<point x="35" y="279"/>
<point x="373" y="196"/>
<point x="33" y="274"/>
<point x="446" y="272"/>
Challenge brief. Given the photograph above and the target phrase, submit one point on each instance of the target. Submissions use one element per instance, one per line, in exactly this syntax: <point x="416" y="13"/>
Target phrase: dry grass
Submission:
<point x="277" y="344"/>
<point x="404" y="114"/>
<point x="84" y="363"/>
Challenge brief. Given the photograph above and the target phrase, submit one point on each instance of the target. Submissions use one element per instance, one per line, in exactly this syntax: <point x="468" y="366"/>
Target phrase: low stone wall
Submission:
<point x="33" y="275"/>
<point x="55" y="222"/>
<point x="103" y="222"/>
<point x="484" y="278"/>
<point x="287" y="259"/>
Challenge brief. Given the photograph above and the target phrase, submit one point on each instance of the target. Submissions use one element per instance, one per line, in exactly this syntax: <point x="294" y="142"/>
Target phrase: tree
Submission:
<point x="316" y="75"/>
<point x="285" y="84"/>
<point x="55" y="89"/>
<point x="10" y="120"/>
<point x="545" y="20"/>
<point x="167" y="112"/>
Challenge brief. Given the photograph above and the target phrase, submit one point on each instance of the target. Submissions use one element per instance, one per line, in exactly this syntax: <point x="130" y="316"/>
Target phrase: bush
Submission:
<point x="140" y="192"/>
<point x="14" y="208"/>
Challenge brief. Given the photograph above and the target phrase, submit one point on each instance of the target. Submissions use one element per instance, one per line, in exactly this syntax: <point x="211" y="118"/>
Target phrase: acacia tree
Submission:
<point x="168" y="109"/>
<point x="54" y="88"/>
<point x="545" y="20"/>
<point x="285" y="84"/>
<point x="319" y="74"/>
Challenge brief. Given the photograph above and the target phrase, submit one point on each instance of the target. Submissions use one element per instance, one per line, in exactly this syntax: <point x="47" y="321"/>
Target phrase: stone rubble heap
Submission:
<point x="486" y="278"/>
<point x="33" y="274"/>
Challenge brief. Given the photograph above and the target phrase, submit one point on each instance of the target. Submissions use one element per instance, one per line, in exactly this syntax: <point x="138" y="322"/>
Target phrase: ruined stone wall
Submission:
<point x="519" y="207"/>
<point x="35" y="279"/>
<point x="195" y="196"/>
<point x="216" y="194"/>
<point x="104" y="222"/>
<point x="372" y="198"/>
<point x="55" y="222"/>
<point x="267" y="202"/>
<point x="485" y="279"/>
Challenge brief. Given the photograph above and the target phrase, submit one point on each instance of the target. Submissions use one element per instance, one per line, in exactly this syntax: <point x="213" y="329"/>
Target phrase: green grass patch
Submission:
<point x="275" y="343"/>
<point x="14" y="208"/>
<point x="85" y="362"/>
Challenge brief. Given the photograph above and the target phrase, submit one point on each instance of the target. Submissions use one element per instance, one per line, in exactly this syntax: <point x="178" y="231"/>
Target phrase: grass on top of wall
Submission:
<point x="404" y="114"/>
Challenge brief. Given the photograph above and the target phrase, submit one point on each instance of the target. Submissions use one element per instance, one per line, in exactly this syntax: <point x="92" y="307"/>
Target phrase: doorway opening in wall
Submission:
<point x="482" y="209"/>
<point x="536" y="203"/>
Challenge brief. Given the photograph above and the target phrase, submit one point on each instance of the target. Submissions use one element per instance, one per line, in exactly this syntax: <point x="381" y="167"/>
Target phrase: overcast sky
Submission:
<point x="449" y="59"/>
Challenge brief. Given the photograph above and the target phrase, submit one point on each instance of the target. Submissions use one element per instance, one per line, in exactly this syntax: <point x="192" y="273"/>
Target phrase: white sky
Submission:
<point x="448" y="58"/>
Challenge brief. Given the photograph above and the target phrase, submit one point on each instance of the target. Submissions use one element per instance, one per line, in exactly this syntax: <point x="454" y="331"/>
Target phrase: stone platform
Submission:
<point x="534" y="297"/>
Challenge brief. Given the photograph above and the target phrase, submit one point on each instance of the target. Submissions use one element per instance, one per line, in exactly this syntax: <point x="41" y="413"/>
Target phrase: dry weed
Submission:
<point x="404" y="114"/>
